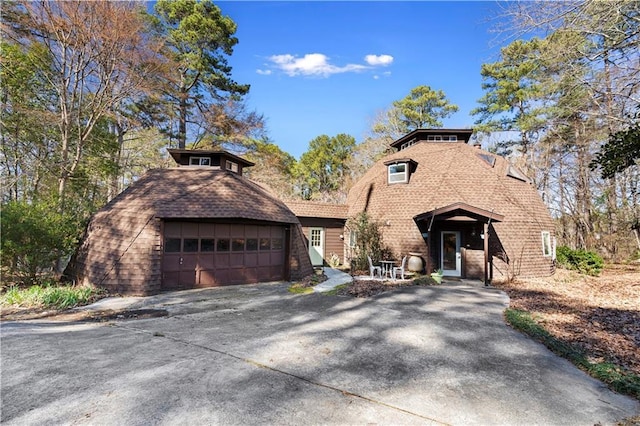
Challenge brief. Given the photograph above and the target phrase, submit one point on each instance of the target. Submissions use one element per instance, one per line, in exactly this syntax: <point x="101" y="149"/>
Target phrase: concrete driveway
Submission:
<point x="260" y="355"/>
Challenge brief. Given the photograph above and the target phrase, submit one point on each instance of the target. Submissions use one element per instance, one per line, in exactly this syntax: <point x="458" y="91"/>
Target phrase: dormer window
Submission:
<point x="199" y="161"/>
<point x="398" y="173"/>
<point x="399" y="170"/>
<point x="231" y="166"/>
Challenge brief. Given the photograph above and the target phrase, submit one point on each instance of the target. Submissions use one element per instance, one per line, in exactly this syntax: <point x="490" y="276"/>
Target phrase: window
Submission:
<point x="223" y="244"/>
<point x="408" y="144"/>
<point x="440" y="138"/>
<point x="547" y="250"/>
<point x="237" y="244"/>
<point x="398" y="173"/>
<point x="232" y="166"/>
<point x="265" y="244"/>
<point x="199" y="161"/>
<point x="172" y="245"/>
<point x="353" y="239"/>
<point x="190" y="245"/>
<point x="207" y="244"/>
<point x="252" y="244"/>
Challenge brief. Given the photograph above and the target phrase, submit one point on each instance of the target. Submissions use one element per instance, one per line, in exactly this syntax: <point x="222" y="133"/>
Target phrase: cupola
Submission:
<point x="221" y="160"/>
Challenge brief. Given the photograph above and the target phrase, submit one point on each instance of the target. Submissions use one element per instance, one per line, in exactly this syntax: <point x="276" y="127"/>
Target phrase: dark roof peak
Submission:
<point x="433" y="135"/>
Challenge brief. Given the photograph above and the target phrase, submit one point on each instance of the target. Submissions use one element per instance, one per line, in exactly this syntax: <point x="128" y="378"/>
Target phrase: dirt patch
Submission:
<point x="600" y="315"/>
<point x="368" y="288"/>
<point x="21" y="314"/>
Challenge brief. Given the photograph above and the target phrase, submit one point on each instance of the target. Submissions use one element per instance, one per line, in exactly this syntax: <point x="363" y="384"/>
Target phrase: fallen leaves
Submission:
<point x="601" y="315"/>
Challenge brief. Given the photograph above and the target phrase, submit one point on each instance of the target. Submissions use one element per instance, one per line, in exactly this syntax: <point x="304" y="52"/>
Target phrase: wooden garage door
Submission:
<point x="207" y="254"/>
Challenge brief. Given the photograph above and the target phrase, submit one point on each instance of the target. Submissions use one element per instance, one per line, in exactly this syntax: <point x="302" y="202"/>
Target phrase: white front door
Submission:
<point x="316" y="246"/>
<point x="450" y="257"/>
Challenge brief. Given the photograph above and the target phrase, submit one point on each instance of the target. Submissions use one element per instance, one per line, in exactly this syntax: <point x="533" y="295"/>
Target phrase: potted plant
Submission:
<point x="437" y="276"/>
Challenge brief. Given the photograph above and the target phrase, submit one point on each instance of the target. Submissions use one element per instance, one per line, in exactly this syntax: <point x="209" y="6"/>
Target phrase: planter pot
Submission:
<point x="414" y="263"/>
<point x="437" y="277"/>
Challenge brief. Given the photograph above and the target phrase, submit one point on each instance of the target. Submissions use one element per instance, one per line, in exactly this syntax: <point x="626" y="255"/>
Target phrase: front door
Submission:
<point x="450" y="258"/>
<point x="316" y="246"/>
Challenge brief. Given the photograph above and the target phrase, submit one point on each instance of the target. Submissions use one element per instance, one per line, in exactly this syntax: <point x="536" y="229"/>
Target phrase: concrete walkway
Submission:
<point x="335" y="278"/>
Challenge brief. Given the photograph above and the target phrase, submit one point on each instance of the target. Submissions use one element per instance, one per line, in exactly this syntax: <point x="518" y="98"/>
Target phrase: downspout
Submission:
<point x="486" y="250"/>
<point x="429" y="266"/>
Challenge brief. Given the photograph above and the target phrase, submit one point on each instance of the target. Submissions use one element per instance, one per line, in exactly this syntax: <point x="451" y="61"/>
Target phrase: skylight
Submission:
<point x="515" y="173"/>
<point x="487" y="158"/>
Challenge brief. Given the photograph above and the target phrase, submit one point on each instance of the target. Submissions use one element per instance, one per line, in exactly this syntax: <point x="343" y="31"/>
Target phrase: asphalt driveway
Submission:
<point x="260" y="355"/>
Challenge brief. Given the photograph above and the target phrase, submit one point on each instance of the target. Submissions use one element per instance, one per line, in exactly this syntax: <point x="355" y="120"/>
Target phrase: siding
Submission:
<point x="332" y="242"/>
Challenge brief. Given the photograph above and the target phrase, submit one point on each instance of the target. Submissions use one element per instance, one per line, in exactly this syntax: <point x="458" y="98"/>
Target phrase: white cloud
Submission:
<point x="318" y="64"/>
<point x="264" y="72"/>
<point x="379" y="60"/>
<point x="311" y="64"/>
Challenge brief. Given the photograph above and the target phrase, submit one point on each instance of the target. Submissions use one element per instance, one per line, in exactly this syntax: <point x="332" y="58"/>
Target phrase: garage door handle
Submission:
<point x="181" y="260"/>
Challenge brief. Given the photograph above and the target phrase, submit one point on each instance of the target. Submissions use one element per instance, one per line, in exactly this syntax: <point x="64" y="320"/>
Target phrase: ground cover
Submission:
<point x="594" y="321"/>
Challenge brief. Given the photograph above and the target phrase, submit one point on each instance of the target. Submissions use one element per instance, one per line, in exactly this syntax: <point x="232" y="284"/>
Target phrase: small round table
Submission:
<point x="387" y="267"/>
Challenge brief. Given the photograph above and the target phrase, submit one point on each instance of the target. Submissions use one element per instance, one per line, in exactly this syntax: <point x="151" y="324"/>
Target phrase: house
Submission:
<point x="461" y="209"/>
<point x="200" y="224"/>
<point x="323" y="226"/>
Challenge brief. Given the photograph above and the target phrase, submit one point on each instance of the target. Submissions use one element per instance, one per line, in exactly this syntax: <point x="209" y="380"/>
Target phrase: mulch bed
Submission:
<point x="600" y="315"/>
<point x="21" y="314"/>
<point x="368" y="288"/>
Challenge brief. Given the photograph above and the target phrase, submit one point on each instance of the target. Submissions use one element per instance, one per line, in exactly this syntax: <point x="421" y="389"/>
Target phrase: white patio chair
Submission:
<point x="374" y="269"/>
<point x="400" y="268"/>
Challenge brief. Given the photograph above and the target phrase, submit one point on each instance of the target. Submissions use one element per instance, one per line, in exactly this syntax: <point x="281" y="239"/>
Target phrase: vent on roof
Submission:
<point x="489" y="159"/>
<point x="513" y="172"/>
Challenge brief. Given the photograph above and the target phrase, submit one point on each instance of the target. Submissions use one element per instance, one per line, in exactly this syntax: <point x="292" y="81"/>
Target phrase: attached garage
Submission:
<point x="215" y="254"/>
<point x="199" y="225"/>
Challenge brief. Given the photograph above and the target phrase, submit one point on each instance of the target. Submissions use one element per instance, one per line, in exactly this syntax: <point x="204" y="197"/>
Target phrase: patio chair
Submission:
<point x="374" y="269"/>
<point x="400" y="269"/>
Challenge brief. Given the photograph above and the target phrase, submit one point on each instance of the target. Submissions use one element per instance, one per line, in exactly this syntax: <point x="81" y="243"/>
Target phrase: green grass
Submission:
<point x="300" y="289"/>
<point x="49" y="296"/>
<point x="334" y="291"/>
<point x="615" y="377"/>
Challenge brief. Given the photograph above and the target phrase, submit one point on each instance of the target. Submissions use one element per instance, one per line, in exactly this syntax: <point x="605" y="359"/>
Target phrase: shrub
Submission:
<point x="583" y="261"/>
<point x="34" y="237"/>
<point x="368" y="242"/>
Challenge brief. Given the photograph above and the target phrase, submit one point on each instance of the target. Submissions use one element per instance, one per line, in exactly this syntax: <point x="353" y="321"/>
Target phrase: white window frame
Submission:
<point x="199" y="161"/>
<point x="394" y="176"/>
<point x="547" y="246"/>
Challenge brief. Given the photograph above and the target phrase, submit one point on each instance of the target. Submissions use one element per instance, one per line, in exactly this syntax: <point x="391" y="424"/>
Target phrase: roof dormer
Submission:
<point x="221" y="160"/>
<point x="433" y="135"/>
<point x="399" y="170"/>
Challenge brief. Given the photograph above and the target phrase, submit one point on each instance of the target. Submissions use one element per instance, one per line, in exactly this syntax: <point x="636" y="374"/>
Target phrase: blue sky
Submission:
<point x="330" y="67"/>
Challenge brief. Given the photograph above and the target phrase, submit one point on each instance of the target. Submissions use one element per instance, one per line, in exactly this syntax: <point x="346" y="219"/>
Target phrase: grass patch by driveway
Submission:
<point x="49" y="297"/>
<point x="614" y="376"/>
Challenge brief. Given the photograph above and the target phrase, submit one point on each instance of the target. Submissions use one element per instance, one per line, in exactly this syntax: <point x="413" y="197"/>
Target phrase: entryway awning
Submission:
<point x="459" y="212"/>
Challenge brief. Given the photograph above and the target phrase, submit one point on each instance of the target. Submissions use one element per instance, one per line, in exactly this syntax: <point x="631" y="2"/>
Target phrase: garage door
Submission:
<point x="208" y="255"/>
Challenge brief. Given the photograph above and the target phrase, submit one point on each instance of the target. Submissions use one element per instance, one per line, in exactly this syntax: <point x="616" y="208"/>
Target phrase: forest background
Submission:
<point x="93" y="93"/>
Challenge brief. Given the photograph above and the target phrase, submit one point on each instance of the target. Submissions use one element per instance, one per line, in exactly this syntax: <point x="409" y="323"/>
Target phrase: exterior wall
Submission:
<point x="299" y="263"/>
<point x="121" y="253"/>
<point x="473" y="263"/>
<point x="333" y="229"/>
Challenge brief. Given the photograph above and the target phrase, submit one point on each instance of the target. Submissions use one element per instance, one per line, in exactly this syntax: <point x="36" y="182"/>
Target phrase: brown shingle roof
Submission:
<point x="182" y="193"/>
<point x="315" y="209"/>
<point x="446" y="174"/>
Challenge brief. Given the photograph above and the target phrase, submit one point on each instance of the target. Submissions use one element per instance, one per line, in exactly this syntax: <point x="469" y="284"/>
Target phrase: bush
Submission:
<point x="583" y="261"/>
<point x="49" y="296"/>
<point x="368" y="242"/>
<point x="34" y="237"/>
